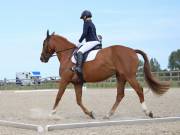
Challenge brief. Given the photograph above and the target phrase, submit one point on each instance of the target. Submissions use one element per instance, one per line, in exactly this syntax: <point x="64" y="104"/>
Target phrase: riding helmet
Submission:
<point x="86" y="13"/>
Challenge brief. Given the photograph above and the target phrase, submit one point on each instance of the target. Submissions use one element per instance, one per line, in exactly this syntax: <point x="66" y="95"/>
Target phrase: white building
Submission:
<point x="28" y="78"/>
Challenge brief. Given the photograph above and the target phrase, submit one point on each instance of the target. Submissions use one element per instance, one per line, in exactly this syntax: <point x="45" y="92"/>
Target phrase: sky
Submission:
<point x="150" y="25"/>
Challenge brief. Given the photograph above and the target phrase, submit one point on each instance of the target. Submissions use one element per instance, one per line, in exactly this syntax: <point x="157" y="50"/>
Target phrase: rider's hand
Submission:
<point x="78" y="44"/>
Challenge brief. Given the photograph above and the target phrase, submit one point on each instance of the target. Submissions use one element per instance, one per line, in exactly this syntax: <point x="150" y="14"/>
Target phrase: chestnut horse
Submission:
<point x="114" y="60"/>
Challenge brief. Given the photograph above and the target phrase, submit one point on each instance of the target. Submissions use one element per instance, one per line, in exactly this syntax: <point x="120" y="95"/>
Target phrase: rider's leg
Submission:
<point x="78" y="67"/>
<point x="86" y="47"/>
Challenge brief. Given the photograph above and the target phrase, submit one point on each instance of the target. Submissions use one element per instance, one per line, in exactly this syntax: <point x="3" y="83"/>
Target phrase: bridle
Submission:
<point x="60" y="51"/>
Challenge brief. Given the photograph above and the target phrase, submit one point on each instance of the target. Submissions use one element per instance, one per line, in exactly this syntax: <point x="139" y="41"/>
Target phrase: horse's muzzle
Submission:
<point x="43" y="60"/>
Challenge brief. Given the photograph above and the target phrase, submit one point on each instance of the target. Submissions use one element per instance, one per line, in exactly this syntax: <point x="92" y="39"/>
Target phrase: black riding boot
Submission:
<point x="78" y="67"/>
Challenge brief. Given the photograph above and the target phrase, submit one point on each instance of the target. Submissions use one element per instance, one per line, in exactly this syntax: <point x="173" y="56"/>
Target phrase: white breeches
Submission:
<point x="87" y="46"/>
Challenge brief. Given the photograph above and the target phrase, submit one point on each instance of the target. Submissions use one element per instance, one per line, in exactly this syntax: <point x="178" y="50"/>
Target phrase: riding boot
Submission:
<point x="78" y="67"/>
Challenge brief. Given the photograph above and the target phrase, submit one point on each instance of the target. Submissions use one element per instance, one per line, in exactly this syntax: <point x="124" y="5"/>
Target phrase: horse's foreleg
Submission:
<point x="62" y="87"/>
<point x="120" y="94"/>
<point x="78" y="91"/>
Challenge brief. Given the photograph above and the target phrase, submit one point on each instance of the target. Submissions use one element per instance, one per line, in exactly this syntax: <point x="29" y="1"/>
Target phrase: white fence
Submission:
<point x="163" y="76"/>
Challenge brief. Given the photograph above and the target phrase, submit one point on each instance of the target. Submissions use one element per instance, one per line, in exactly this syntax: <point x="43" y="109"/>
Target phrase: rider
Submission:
<point x="89" y="34"/>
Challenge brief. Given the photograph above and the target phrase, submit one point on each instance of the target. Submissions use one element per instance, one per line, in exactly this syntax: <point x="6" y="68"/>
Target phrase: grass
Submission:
<point x="54" y="85"/>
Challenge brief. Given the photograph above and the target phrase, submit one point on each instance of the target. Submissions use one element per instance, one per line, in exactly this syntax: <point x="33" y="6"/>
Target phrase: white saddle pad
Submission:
<point x="91" y="56"/>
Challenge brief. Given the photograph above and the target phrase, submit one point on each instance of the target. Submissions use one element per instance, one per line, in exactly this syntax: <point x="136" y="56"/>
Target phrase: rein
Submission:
<point x="63" y="51"/>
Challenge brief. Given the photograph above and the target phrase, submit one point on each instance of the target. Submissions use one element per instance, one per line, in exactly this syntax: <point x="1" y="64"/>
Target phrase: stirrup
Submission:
<point x="78" y="70"/>
<point x="73" y="68"/>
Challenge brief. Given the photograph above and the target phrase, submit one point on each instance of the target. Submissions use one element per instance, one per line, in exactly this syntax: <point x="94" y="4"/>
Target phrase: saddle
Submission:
<point x="85" y="55"/>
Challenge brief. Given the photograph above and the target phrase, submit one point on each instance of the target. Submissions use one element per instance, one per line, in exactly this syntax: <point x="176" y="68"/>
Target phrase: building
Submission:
<point x="28" y="78"/>
<point x="35" y="77"/>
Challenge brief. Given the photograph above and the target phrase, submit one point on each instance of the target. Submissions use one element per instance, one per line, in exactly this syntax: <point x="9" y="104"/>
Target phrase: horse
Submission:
<point x="115" y="60"/>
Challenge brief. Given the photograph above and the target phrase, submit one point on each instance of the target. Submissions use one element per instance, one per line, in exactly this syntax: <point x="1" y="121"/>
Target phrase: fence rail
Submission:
<point x="51" y="82"/>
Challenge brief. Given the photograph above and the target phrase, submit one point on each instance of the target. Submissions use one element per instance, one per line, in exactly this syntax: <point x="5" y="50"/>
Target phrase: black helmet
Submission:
<point x="86" y="13"/>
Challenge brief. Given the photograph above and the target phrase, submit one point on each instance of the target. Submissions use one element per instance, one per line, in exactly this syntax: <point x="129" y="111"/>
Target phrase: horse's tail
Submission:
<point x="156" y="86"/>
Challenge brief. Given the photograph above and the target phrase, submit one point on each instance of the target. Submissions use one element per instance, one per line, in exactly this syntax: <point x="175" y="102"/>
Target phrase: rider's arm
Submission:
<point x="85" y="30"/>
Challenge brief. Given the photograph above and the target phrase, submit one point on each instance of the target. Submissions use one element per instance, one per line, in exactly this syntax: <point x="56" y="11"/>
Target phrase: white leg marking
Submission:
<point x="52" y="112"/>
<point x="144" y="107"/>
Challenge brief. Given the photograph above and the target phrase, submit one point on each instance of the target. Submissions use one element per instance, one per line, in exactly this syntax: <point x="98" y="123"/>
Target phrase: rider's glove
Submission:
<point x="78" y="44"/>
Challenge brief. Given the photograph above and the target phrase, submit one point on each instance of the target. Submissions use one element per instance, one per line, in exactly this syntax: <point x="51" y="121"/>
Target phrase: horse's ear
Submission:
<point x="53" y="33"/>
<point x="47" y="33"/>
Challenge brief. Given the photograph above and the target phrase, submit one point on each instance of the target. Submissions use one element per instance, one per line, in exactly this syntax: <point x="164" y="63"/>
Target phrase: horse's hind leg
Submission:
<point x="139" y="90"/>
<point x="120" y="94"/>
<point x="78" y="91"/>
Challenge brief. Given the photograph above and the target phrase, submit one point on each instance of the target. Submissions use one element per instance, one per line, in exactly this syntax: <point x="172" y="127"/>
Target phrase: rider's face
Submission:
<point x="84" y="18"/>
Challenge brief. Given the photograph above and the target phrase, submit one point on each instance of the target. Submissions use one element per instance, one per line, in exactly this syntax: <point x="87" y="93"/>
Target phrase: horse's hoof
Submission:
<point x="106" y="117"/>
<point x="150" y="114"/>
<point x="52" y="112"/>
<point x="92" y="115"/>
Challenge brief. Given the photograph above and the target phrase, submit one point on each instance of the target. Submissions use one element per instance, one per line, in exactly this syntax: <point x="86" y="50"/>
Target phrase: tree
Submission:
<point x="174" y="60"/>
<point x="140" y="66"/>
<point x="155" y="66"/>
